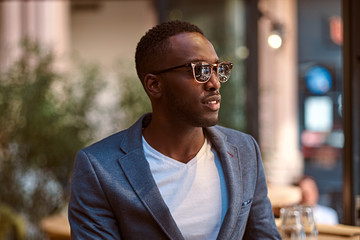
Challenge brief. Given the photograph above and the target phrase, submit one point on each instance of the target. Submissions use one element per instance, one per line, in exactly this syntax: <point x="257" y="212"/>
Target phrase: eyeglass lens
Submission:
<point x="202" y="71"/>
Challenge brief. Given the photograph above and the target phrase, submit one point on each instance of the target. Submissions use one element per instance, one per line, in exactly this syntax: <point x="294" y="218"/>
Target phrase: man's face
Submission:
<point x="184" y="99"/>
<point x="310" y="195"/>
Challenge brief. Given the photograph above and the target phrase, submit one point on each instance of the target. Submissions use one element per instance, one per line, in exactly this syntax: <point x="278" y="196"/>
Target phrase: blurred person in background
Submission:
<point x="310" y="197"/>
<point x="174" y="174"/>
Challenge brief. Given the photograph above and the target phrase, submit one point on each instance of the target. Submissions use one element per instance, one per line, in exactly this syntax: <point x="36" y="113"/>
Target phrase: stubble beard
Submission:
<point x="184" y="111"/>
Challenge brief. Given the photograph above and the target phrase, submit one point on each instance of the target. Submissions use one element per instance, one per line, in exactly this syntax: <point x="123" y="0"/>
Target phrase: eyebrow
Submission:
<point x="202" y="60"/>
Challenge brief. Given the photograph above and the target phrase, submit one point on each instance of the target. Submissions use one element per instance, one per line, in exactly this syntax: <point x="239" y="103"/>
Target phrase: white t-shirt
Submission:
<point x="325" y="215"/>
<point x="192" y="191"/>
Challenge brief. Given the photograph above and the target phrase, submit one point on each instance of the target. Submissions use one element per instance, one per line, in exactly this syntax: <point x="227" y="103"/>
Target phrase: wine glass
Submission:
<point x="308" y="222"/>
<point x="290" y="226"/>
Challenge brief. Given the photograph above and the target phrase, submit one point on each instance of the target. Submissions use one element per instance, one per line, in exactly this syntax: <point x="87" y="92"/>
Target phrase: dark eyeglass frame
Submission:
<point x="222" y="79"/>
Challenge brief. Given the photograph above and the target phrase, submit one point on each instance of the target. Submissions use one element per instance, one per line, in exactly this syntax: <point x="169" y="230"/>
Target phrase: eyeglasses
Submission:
<point x="202" y="70"/>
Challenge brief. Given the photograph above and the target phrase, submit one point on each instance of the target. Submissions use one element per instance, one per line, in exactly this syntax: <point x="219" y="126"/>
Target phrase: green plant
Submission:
<point x="133" y="101"/>
<point x="43" y="119"/>
<point x="12" y="225"/>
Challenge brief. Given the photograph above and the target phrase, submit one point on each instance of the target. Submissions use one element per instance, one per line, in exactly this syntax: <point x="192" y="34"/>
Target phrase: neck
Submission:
<point x="181" y="143"/>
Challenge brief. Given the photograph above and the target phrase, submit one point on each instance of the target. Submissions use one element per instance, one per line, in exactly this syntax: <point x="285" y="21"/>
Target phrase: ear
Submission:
<point x="152" y="85"/>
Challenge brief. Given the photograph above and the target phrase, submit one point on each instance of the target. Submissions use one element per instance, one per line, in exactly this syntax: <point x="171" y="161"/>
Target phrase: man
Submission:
<point x="173" y="174"/>
<point x="310" y="197"/>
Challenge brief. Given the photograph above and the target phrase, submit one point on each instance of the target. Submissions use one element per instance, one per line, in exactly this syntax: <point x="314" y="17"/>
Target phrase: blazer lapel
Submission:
<point x="137" y="170"/>
<point x="229" y="158"/>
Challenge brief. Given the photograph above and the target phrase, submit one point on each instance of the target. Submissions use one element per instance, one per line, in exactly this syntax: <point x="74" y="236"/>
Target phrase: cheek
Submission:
<point x="184" y="88"/>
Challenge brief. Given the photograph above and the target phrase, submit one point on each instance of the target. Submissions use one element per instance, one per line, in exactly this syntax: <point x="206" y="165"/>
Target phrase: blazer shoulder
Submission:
<point x="234" y="136"/>
<point x="119" y="143"/>
<point x="105" y="146"/>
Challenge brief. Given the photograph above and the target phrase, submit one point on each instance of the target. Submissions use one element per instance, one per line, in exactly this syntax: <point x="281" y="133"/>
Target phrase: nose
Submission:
<point x="214" y="83"/>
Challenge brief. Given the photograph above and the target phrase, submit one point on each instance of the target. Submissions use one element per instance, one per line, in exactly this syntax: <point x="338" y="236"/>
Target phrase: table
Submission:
<point x="335" y="237"/>
<point x="338" y="232"/>
<point x="334" y="232"/>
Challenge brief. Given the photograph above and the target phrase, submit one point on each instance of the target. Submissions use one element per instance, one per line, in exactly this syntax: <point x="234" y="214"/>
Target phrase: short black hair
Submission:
<point x="155" y="43"/>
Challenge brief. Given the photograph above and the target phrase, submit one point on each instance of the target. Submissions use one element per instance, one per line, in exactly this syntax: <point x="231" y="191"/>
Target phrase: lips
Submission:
<point x="212" y="102"/>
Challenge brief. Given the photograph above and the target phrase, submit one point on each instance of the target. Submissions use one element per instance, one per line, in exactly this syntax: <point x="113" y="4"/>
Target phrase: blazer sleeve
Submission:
<point x="261" y="223"/>
<point x="90" y="214"/>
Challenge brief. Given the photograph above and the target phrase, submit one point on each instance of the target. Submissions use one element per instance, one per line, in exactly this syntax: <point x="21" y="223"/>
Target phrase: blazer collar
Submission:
<point x="229" y="157"/>
<point x="137" y="170"/>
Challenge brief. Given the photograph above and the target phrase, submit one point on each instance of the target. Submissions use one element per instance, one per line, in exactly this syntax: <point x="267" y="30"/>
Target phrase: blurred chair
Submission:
<point x="283" y="196"/>
<point x="56" y="227"/>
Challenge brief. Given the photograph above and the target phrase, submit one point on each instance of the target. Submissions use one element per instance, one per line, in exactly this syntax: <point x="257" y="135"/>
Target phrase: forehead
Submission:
<point x="187" y="47"/>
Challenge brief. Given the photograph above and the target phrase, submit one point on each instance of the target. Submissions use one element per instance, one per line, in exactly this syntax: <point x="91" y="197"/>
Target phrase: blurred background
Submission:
<point x="68" y="79"/>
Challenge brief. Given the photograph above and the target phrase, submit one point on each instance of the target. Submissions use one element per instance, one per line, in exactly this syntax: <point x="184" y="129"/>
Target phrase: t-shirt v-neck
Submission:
<point x="192" y="191"/>
<point x="163" y="159"/>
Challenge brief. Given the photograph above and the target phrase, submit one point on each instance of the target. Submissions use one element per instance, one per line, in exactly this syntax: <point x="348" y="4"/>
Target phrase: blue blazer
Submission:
<point x="114" y="196"/>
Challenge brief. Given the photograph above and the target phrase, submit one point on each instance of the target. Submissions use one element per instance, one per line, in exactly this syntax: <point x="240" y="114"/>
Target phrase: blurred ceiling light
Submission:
<point x="275" y="39"/>
<point x="276" y="36"/>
